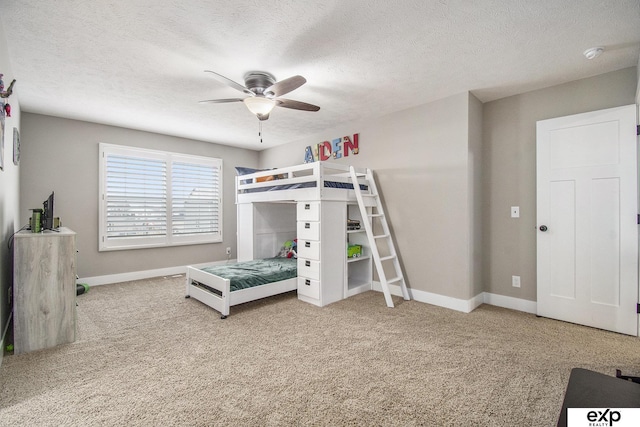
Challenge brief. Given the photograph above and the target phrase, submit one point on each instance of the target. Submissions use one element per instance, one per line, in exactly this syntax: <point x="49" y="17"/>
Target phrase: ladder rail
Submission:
<point x="386" y="230"/>
<point x="380" y="210"/>
<point x="372" y="243"/>
<point x="368" y="225"/>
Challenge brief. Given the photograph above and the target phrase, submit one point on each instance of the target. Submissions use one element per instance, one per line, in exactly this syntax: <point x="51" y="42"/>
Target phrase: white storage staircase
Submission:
<point x="374" y="240"/>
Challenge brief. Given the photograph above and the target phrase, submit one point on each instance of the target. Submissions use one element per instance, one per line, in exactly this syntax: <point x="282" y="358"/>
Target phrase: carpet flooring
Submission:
<point x="146" y="356"/>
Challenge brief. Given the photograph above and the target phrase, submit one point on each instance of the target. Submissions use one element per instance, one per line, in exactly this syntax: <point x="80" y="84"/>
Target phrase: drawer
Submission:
<point x="309" y="287"/>
<point x="308" y="230"/>
<point x="308" y="211"/>
<point x="309" y="268"/>
<point x="309" y="249"/>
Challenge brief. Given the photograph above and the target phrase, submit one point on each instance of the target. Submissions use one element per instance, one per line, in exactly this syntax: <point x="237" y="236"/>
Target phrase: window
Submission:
<point x="154" y="198"/>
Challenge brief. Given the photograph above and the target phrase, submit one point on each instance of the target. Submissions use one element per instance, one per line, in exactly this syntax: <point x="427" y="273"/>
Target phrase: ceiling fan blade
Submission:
<point x="229" y="82"/>
<point x="220" y="101"/>
<point x="296" y="105"/>
<point x="284" y="86"/>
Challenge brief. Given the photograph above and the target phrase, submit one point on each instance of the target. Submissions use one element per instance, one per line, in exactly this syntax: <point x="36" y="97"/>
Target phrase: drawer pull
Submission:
<point x="307" y="225"/>
<point x="307" y="263"/>
<point x="307" y="282"/>
<point x="307" y="244"/>
<point x="307" y="206"/>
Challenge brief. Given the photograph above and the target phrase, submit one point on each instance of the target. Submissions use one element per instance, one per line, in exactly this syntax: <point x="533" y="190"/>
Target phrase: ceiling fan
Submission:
<point x="264" y="93"/>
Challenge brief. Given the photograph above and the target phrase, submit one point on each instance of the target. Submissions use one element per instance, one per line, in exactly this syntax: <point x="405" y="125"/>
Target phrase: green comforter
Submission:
<point x="255" y="273"/>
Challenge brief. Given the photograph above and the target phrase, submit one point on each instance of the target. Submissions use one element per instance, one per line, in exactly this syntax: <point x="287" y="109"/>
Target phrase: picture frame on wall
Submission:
<point x="16" y="146"/>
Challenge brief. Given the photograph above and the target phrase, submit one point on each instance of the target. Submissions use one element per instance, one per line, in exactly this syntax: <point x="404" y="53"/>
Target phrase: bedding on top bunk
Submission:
<point x="258" y="272"/>
<point x="328" y="184"/>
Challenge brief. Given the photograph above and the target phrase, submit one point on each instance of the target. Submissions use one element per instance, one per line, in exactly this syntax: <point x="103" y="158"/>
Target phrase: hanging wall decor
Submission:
<point x="16" y="146"/>
<point x="5" y="111"/>
<point x="6" y="93"/>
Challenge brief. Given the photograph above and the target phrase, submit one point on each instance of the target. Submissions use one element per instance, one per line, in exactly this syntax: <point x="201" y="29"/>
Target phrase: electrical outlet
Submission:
<point x="228" y="251"/>
<point x="515" y="281"/>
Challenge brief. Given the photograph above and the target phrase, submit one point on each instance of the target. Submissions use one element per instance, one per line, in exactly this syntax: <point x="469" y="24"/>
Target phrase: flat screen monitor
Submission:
<point x="47" y="215"/>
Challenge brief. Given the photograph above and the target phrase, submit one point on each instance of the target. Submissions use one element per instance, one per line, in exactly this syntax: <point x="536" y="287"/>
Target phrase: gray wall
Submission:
<point x="61" y="155"/>
<point x="475" y="174"/>
<point x="638" y="88"/>
<point x="9" y="192"/>
<point x="447" y="185"/>
<point x="509" y="141"/>
<point x="421" y="160"/>
<point x="456" y="238"/>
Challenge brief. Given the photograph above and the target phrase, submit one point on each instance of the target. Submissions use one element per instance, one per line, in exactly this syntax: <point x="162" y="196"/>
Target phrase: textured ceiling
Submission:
<point x="140" y="63"/>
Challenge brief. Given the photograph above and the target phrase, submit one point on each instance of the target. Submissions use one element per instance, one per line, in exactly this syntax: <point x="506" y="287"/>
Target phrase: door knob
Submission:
<point x="543" y="228"/>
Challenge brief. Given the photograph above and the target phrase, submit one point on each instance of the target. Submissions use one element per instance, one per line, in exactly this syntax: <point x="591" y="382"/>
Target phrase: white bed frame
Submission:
<point x="317" y="172"/>
<point x="227" y="298"/>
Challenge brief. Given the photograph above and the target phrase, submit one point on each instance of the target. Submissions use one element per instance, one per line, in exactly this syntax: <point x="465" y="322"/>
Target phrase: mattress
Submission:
<point x="327" y="184"/>
<point x="258" y="272"/>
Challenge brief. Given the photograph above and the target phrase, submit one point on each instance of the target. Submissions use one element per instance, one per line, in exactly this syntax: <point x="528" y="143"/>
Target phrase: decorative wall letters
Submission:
<point x="336" y="148"/>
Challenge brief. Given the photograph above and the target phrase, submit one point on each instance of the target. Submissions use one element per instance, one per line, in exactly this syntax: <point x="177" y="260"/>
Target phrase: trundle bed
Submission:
<point x="283" y="204"/>
<point x="226" y="285"/>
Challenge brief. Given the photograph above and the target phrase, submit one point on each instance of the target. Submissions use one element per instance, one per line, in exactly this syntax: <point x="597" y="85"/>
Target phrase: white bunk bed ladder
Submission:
<point x="368" y="219"/>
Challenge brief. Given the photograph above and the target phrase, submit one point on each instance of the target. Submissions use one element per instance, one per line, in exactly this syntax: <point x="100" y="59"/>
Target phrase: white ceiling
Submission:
<point x="140" y="63"/>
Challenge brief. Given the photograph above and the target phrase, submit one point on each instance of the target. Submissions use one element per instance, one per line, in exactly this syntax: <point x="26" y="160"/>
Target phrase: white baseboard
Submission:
<point x="510" y="302"/>
<point x="465" y="306"/>
<point x="145" y="274"/>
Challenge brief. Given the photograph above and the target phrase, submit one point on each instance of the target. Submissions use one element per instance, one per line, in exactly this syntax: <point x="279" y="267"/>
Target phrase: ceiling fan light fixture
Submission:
<point x="593" y="52"/>
<point x="259" y="105"/>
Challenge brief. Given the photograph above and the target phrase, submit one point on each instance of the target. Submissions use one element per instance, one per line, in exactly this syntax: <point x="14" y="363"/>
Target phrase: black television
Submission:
<point x="47" y="215"/>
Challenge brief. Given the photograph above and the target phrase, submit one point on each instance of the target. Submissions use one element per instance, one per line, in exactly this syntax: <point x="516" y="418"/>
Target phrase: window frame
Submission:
<point x="168" y="239"/>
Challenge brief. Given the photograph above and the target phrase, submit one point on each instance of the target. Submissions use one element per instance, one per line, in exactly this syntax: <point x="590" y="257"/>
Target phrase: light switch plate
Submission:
<point x="515" y="211"/>
<point x="515" y="281"/>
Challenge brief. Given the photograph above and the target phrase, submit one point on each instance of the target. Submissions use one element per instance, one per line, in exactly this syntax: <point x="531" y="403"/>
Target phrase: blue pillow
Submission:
<point x="246" y="171"/>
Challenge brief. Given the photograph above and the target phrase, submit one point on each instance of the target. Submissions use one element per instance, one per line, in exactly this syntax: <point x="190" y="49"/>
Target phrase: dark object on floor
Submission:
<point x="81" y="288"/>
<point x="627" y="377"/>
<point x="589" y="389"/>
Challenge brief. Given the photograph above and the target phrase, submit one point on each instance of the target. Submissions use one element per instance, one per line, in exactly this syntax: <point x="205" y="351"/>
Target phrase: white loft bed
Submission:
<point x="308" y="182"/>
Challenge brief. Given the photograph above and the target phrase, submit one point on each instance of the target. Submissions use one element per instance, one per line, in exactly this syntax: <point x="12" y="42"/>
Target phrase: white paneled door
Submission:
<point x="587" y="214"/>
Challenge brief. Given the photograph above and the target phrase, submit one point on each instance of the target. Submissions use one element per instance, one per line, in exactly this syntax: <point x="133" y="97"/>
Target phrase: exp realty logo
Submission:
<point x="603" y="417"/>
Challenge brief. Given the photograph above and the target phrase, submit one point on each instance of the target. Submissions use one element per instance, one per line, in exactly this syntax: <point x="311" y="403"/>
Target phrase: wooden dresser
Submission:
<point x="44" y="289"/>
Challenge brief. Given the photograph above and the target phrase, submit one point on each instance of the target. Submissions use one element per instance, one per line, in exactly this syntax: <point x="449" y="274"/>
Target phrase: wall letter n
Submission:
<point x="349" y="146"/>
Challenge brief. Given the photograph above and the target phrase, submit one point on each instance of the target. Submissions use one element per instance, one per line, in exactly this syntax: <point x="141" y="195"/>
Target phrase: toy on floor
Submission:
<point x="81" y="288"/>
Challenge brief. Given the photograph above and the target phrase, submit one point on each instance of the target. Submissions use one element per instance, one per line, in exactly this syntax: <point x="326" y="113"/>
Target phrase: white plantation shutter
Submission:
<point x="195" y="198"/>
<point x="153" y="198"/>
<point x="136" y="197"/>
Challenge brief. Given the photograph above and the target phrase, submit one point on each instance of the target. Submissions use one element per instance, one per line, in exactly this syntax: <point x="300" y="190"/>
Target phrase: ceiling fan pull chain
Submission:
<point x="260" y="130"/>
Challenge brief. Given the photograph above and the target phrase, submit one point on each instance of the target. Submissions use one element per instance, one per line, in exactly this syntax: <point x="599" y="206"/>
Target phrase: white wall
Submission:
<point x="9" y="192"/>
